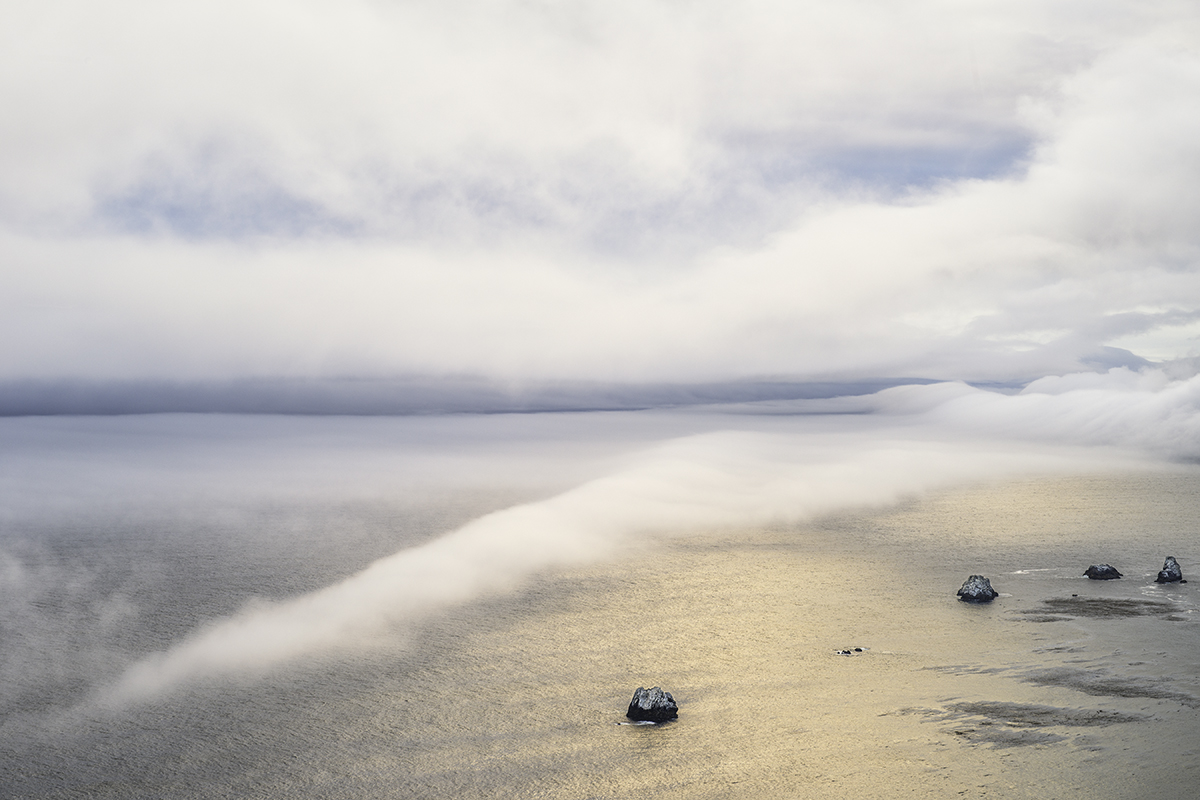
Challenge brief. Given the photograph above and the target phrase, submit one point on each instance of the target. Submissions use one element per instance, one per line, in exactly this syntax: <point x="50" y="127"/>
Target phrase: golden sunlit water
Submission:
<point x="1061" y="688"/>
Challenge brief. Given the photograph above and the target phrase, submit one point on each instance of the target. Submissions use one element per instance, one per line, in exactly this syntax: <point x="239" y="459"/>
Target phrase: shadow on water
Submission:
<point x="1058" y="608"/>
<point x="1006" y="724"/>
<point x="1104" y="684"/>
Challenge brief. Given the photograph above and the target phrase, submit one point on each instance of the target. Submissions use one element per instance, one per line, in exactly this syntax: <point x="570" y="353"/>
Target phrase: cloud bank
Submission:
<point x="527" y="191"/>
<point x="768" y="468"/>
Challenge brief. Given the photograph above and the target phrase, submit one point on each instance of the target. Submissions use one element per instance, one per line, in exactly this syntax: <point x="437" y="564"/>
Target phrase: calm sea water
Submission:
<point x="1062" y="688"/>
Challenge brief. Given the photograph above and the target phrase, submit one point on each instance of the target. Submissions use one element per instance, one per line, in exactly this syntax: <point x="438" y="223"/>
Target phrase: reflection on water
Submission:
<point x="1063" y="687"/>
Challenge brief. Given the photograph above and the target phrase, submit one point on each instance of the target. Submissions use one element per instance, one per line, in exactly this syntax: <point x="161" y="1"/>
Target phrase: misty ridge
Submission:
<point x="415" y="395"/>
<point x="463" y="394"/>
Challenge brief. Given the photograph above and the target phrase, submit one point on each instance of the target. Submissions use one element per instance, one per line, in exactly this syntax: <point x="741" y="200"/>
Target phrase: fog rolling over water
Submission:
<point x="153" y="563"/>
<point x="595" y="485"/>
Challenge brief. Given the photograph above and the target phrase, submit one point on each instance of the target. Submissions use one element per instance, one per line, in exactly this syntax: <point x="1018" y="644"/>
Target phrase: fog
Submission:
<point x="341" y="534"/>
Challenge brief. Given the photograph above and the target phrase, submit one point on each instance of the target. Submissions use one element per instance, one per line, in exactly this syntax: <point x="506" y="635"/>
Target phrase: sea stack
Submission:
<point x="652" y="705"/>
<point x="1102" y="572"/>
<point x="977" y="589"/>
<point x="1170" y="573"/>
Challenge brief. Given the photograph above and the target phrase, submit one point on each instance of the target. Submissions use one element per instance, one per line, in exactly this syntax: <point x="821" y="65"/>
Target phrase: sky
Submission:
<point x="529" y="191"/>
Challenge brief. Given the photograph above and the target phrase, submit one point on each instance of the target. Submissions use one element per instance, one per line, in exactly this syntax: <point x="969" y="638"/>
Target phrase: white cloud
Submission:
<point x="1165" y="343"/>
<point x="613" y="191"/>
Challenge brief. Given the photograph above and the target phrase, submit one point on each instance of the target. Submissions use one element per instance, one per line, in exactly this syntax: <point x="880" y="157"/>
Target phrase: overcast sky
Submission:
<point x="626" y="191"/>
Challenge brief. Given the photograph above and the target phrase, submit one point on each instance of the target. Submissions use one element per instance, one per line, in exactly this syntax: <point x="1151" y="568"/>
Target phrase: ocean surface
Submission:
<point x="1061" y="688"/>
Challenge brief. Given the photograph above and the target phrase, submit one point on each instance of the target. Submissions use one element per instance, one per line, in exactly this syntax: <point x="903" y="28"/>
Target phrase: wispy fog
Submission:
<point x="401" y="518"/>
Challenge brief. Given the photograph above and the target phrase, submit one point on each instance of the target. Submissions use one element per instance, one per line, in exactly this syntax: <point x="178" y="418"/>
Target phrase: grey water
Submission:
<point x="1063" y="687"/>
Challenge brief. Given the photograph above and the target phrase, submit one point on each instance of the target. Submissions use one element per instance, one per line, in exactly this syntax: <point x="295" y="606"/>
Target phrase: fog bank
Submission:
<point x="733" y="470"/>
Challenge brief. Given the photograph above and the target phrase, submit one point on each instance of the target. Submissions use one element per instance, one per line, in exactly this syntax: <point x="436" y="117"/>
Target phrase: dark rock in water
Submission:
<point x="977" y="589"/>
<point x="1170" y="573"/>
<point x="1102" y="572"/>
<point x="652" y="705"/>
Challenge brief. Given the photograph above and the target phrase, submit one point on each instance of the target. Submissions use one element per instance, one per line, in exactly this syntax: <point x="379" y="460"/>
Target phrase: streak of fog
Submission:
<point x="587" y="486"/>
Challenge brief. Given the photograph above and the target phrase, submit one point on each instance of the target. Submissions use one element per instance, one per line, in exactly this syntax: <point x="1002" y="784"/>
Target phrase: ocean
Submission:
<point x="242" y="607"/>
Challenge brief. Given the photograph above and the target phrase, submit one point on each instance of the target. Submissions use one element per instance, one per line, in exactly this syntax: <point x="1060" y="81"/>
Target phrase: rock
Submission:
<point x="1102" y="572"/>
<point x="652" y="705"/>
<point x="977" y="589"/>
<point x="1170" y="573"/>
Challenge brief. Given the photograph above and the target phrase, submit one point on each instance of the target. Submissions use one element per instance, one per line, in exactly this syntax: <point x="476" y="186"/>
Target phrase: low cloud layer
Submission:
<point x="712" y="481"/>
<point x="758" y="469"/>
